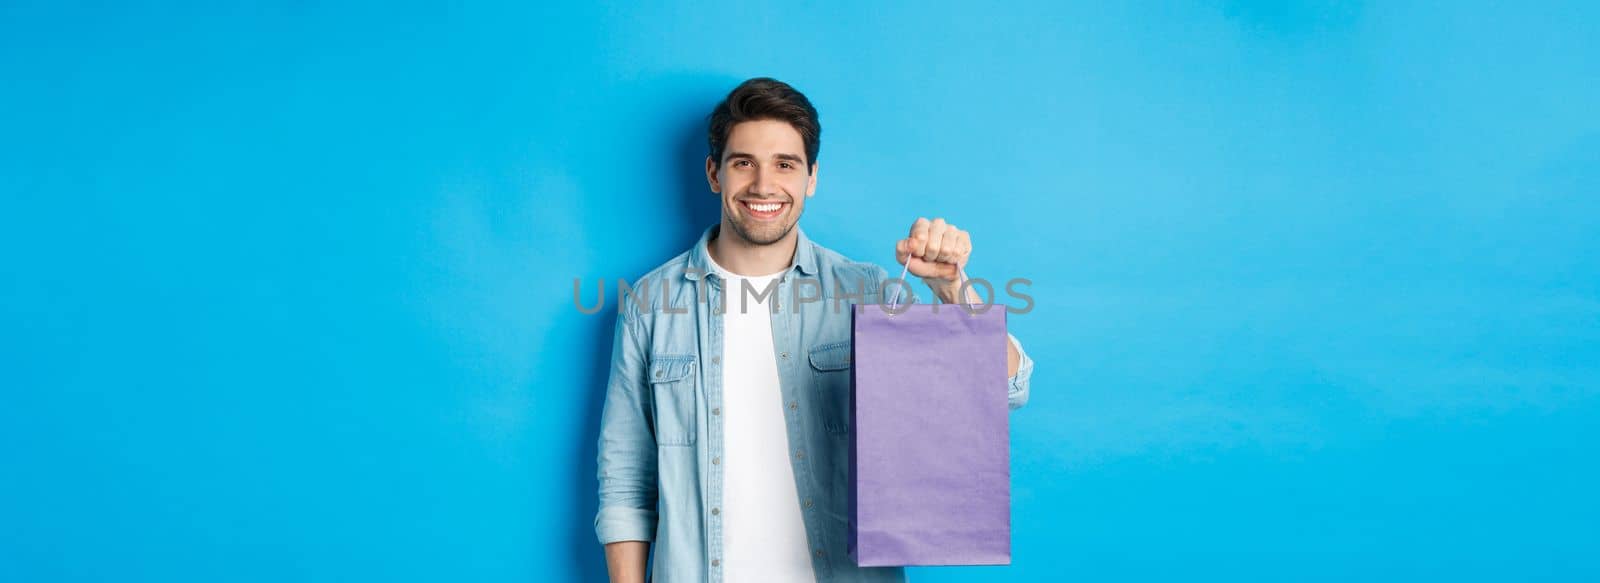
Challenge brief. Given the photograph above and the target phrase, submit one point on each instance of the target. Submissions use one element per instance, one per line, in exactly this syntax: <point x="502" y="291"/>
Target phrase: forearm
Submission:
<point x="626" y="520"/>
<point x="625" y="561"/>
<point x="1013" y="358"/>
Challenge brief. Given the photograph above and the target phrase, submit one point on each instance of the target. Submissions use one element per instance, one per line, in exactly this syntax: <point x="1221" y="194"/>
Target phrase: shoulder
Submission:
<point x="646" y="292"/>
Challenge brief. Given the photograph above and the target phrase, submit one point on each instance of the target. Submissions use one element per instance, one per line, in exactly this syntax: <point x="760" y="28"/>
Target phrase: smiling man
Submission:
<point x="724" y="440"/>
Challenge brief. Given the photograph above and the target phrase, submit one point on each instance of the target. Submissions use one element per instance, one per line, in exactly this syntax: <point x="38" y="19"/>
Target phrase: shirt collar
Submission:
<point x="805" y="255"/>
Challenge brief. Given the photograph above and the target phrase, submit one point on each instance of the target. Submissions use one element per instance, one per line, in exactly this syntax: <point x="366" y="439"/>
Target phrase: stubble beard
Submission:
<point x="761" y="235"/>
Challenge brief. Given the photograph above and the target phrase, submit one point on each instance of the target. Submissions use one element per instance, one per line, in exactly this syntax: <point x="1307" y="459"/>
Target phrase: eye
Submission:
<point x="741" y="163"/>
<point x="786" y="165"/>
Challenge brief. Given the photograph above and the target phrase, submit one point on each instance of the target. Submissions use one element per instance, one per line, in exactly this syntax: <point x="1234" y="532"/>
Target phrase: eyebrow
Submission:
<point x="780" y="156"/>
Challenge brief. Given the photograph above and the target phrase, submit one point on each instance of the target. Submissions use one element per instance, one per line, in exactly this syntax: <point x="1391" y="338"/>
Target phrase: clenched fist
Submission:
<point x="937" y="252"/>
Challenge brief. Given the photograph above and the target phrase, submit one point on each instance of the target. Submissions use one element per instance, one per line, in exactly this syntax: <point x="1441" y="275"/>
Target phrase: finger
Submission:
<point x="936" y="232"/>
<point x="919" y="228"/>
<point x="931" y="270"/>
<point x="936" y="246"/>
<point x="950" y="247"/>
<point x="966" y="249"/>
<point x="960" y="247"/>
<point x="919" y="236"/>
<point x="905" y="254"/>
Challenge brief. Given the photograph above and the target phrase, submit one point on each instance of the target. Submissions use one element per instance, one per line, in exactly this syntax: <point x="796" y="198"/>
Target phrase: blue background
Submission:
<point x="287" y="290"/>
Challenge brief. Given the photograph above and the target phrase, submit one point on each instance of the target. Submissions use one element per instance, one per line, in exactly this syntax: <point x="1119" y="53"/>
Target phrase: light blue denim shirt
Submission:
<point x="661" y="430"/>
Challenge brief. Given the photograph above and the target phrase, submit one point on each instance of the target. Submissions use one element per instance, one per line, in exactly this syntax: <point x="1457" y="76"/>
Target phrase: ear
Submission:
<point x="711" y="175"/>
<point x="811" y="182"/>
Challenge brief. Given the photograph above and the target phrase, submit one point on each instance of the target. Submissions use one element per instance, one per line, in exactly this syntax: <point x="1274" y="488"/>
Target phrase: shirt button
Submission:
<point x="819" y="552"/>
<point x="715" y="563"/>
<point x="808" y="502"/>
<point x="715" y="511"/>
<point x="800" y="454"/>
<point x="783" y="355"/>
<point x="716" y="461"/>
<point x="716" y="360"/>
<point x="660" y="373"/>
<point x="794" y="405"/>
<point x="716" y="411"/>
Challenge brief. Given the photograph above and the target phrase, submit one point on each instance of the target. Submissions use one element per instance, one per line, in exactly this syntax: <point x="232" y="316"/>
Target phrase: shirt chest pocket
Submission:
<point x="830" y="363"/>
<point x="672" y="389"/>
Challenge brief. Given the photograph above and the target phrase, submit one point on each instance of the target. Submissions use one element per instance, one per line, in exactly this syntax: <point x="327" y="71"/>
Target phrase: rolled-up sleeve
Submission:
<point x="627" y="449"/>
<point x="1017" y="396"/>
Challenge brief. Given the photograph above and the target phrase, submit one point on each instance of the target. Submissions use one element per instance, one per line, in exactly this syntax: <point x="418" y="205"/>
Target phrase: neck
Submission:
<point x="742" y="257"/>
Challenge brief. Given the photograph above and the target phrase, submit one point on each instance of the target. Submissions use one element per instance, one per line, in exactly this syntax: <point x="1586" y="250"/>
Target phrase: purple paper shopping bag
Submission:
<point x="929" y="447"/>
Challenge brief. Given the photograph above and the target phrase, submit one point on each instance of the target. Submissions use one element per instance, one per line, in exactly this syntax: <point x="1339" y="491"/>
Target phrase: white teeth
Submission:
<point x="766" y="208"/>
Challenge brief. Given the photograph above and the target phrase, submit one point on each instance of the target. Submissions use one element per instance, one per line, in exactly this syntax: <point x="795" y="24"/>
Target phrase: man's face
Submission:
<point x="763" y="180"/>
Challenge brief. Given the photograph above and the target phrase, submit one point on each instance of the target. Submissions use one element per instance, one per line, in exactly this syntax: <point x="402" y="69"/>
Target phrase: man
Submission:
<point x="725" y="433"/>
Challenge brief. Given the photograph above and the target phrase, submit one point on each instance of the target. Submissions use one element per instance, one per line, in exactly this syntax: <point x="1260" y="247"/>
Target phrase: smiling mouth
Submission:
<point x="763" y="209"/>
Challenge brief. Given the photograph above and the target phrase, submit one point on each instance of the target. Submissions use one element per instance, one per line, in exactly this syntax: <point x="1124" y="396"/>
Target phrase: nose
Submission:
<point x="765" y="184"/>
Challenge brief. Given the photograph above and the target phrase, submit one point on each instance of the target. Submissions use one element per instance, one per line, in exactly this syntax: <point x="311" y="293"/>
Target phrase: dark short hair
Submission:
<point x="764" y="98"/>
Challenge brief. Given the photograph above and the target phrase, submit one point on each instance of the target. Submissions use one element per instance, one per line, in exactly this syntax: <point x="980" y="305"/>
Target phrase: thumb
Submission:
<point x="902" y="251"/>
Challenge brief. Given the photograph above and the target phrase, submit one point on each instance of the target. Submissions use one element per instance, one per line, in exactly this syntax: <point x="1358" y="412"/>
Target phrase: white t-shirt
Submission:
<point x="763" y="537"/>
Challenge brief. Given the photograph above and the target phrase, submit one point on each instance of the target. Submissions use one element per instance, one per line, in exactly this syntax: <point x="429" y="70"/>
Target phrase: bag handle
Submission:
<point x="895" y="302"/>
